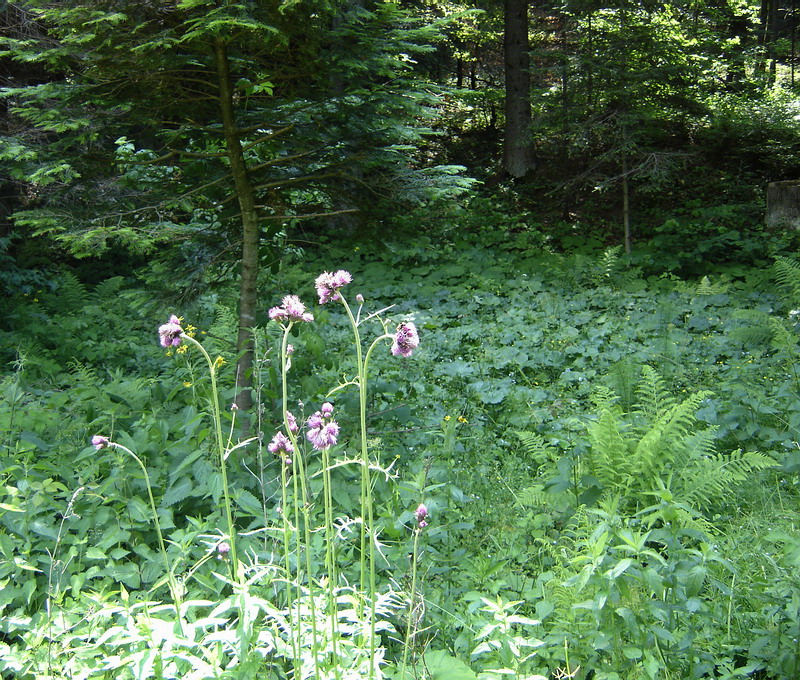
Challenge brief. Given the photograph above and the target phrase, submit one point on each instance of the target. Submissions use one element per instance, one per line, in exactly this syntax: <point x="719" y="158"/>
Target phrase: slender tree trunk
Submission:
<point x="626" y="205"/>
<point x="250" y="230"/>
<point x="517" y="156"/>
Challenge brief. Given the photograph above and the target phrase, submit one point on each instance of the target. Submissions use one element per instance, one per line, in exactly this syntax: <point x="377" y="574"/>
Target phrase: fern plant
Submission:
<point x="655" y="451"/>
<point x="659" y="449"/>
<point x="787" y="274"/>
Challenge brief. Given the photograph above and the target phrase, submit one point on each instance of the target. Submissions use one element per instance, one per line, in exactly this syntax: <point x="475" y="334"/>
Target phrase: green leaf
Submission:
<point x="442" y="666"/>
<point x="95" y="553"/>
<point x="248" y="502"/>
<point x="177" y="492"/>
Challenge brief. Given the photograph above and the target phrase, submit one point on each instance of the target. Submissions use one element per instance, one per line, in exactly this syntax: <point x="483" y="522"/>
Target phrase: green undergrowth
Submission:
<point x="609" y="461"/>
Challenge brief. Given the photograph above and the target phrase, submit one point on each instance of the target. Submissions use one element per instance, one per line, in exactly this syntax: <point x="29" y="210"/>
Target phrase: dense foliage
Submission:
<point x="544" y="419"/>
<point x="612" y="457"/>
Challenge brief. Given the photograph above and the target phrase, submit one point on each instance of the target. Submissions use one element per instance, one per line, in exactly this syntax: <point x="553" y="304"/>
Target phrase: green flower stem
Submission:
<point x="410" y="624"/>
<point x="330" y="557"/>
<point x="298" y="464"/>
<point x="221" y="447"/>
<point x="287" y="526"/>
<point x="366" y="482"/>
<point x="173" y="585"/>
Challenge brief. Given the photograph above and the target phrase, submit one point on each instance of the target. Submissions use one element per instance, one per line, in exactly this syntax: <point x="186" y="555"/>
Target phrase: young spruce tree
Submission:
<point x="213" y="120"/>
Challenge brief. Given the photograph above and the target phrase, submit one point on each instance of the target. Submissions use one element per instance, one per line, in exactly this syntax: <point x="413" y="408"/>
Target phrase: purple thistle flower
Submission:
<point x="278" y="314"/>
<point x="291" y="309"/>
<point x="223" y="548"/>
<point x="322" y="431"/>
<point x="341" y="278"/>
<point x="100" y="442"/>
<point x="315" y="421"/>
<point x="421" y="514"/>
<point x="294" y="428"/>
<point x="170" y="332"/>
<point x="280" y="442"/>
<point x="294" y="307"/>
<point x="406" y="340"/>
<point x="328" y="285"/>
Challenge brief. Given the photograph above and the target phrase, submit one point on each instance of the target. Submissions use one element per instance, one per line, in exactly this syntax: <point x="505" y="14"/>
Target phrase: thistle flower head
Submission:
<point x="280" y="443"/>
<point x="421" y="513"/>
<point x="100" y="442"/>
<point x="406" y="340"/>
<point x="322" y="430"/>
<point x="291" y="309"/>
<point x="170" y="332"/>
<point x="328" y="284"/>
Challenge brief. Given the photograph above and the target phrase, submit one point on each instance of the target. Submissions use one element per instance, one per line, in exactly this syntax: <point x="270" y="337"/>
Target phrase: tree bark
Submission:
<point x="250" y="230"/>
<point x="517" y="154"/>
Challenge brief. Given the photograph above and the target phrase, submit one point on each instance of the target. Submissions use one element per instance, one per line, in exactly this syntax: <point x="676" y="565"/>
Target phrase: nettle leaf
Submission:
<point x="248" y="502"/>
<point x="179" y="491"/>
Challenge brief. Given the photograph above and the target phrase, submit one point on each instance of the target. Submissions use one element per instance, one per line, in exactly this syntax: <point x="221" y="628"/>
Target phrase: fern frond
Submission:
<point x="603" y="398"/>
<point x="782" y="337"/>
<point x="653" y="396"/>
<point x="655" y="450"/>
<point x="85" y="375"/>
<point x="105" y="289"/>
<point x="697" y="445"/>
<point x="705" y="287"/>
<point x="787" y="274"/>
<point x="532" y="496"/>
<point x="609" y="261"/>
<point x="712" y="478"/>
<point x="756" y="329"/>
<point x="623" y="378"/>
<point x="610" y="459"/>
<point x="536" y="449"/>
<point x="71" y="294"/>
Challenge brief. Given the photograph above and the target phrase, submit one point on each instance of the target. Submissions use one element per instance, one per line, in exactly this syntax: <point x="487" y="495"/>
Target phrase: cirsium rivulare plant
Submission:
<point x="293" y="450"/>
<point x="322" y="433"/>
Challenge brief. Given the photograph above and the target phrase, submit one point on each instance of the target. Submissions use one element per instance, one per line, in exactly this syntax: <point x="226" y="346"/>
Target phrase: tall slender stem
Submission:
<point x="366" y="482"/>
<point x="298" y="465"/>
<point x="411" y="606"/>
<point x="173" y="584"/>
<point x="217" y="416"/>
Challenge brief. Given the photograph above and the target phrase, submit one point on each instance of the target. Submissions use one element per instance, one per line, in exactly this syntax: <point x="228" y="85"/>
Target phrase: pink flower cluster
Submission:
<point x="294" y="428"/>
<point x="282" y="447"/>
<point x="322" y="428"/>
<point x="100" y="442"/>
<point x="328" y="285"/>
<point x="421" y="513"/>
<point x="170" y="332"/>
<point x="291" y="309"/>
<point x="406" y="340"/>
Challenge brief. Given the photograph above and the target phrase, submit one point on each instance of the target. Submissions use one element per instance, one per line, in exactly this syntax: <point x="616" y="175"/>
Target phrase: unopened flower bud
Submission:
<point x="421" y="514"/>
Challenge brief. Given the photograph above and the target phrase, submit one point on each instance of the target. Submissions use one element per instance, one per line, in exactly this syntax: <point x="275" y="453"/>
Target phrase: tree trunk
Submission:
<point x="517" y="155"/>
<point x="626" y="205"/>
<point x="250" y="230"/>
<point x="783" y="205"/>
